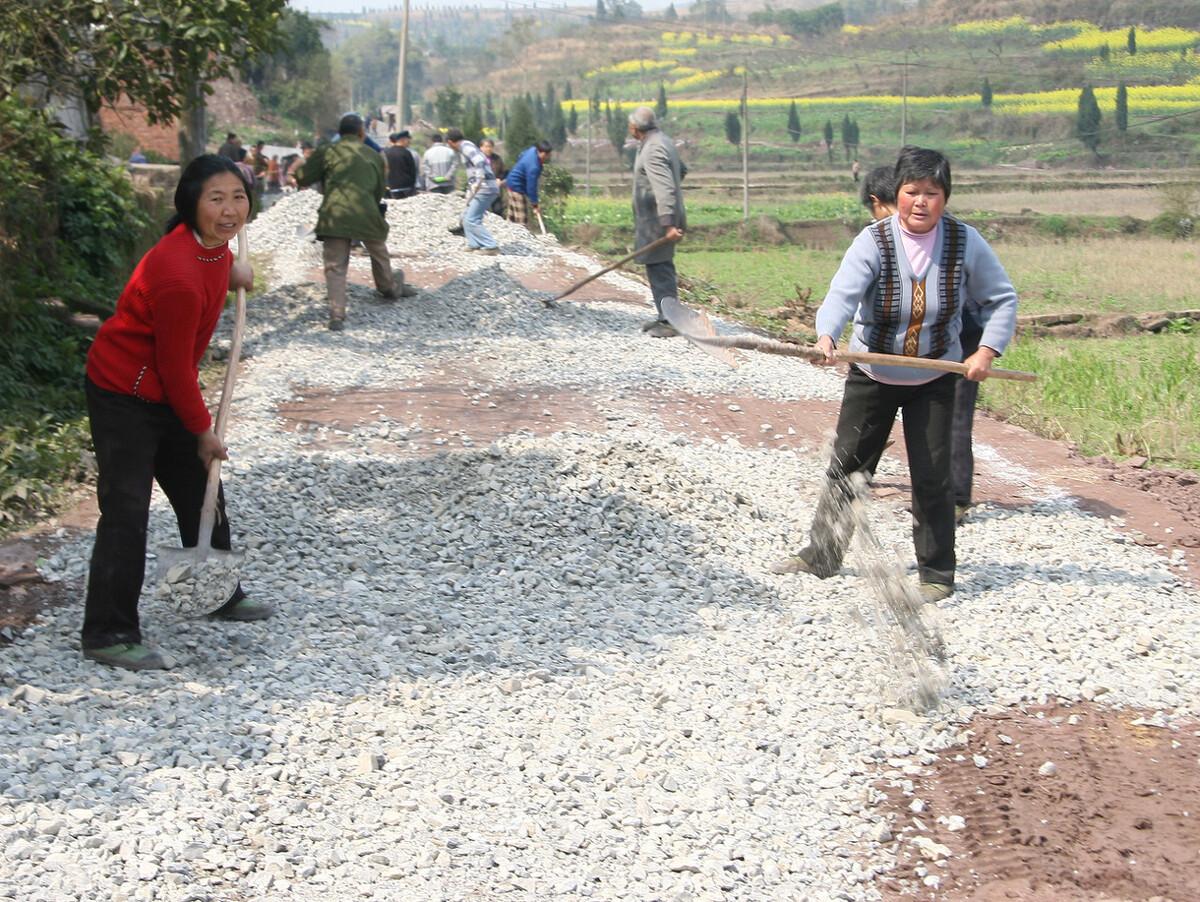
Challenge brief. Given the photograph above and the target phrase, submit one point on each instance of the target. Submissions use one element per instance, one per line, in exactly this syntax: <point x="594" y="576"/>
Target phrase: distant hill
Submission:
<point x="1105" y="13"/>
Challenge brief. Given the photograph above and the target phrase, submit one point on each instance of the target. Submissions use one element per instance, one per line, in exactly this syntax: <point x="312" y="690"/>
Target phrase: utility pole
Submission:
<point x="401" y="87"/>
<point x="904" y="101"/>
<point x="745" y="145"/>
<point x="587" y="155"/>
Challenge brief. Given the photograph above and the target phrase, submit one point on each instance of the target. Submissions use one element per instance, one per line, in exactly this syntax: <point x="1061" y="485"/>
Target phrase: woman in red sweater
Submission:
<point x="149" y="421"/>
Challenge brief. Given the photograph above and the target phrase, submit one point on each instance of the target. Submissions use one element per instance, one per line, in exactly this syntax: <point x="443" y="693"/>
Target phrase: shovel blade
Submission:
<point x="695" y="324"/>
<point x="194" y="582"/>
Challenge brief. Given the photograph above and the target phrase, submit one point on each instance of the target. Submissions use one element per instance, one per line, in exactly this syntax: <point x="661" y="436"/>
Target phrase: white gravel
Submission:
<point x="546" y="667"/>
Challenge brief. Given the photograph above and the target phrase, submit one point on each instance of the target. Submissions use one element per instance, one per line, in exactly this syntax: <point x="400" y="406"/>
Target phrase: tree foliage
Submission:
<point x="618" y="127"/>
<point x="448" y="103"/>
<point x="1131" y="40"/>
<point x="710" y="12"/>
<point x="1087" y="121"/>
<point x="985" y="94"/>
<point x="472" y="123"/>
<point x="818" y="21"/>
<point x="733" y="128"/>
<point x="660" y="105"/>
<point x="793" y="123"/>
<point x="1122" y="110"/>
<point x="296" y="79"/>
<point x="367" y="60"/>
<point x="828" y="134"/>
<point x="153" y="51"/>
<point x="520" y="131"/>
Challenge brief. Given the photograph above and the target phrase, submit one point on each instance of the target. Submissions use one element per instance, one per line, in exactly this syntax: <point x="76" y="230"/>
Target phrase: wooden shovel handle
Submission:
<point x="771" y="346"/>
<point x="208" y="511"/>
<point x="652" y="246"/>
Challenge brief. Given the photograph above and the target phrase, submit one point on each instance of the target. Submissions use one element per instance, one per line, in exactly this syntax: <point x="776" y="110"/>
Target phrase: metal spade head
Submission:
<point x="194" y="582"/>
<point x="693" y="325"/>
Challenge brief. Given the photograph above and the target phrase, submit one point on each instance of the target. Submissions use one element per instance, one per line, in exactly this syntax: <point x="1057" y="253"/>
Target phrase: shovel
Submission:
<point x="652" y="246"/>
<point x="197" y="581"/>
<point x="698" y="329"/>
<point x="545" y="236"/>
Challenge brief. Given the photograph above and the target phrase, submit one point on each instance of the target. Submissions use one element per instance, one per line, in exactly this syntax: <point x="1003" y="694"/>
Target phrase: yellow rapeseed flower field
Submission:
<point x="1091" y="39"/>
<point x="1143" y="100"/>
<point x="631" y="67"/>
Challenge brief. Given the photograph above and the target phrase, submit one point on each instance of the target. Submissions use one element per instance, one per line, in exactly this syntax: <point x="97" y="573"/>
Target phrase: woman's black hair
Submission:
<point x="191" y="184"/>
<point x="879" y="183"/>
<point x="916" y="163"/>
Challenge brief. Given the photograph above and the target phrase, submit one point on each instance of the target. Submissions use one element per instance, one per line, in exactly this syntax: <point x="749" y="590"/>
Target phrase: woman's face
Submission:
<point x="920" y="205"/>
<point x="223" y="208"/>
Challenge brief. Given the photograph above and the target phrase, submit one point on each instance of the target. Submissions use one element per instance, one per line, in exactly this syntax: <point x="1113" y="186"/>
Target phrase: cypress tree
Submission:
<point x="733" y="128"/>
<point x="1104" y="52"/>
<point x="473" y="122"/>
<point x="573" y="121"/>
<point x="601" y="10"/>
<point x="1131" y="40"/>
<point x="618" y="129"/>
<point x="985" y="95"/>
<point x="520" y="131"/>
<point x="793" y="123"/>
<point x="557" y="133"/>
<point x="489" y="111"/>
<point x="1087" y="122"/>
<point x="829" y="139"/>
<point x="670" y="15"/>
<point x="660" y="106"/>
<point x="1122" y="114"/>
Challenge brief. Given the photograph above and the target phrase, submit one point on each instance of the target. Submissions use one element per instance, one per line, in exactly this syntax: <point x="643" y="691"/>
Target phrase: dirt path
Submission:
<point x="1118" y="819"/>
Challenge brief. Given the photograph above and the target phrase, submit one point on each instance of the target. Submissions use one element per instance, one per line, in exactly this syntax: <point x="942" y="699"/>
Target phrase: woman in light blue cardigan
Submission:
<point x="905" y="283"/>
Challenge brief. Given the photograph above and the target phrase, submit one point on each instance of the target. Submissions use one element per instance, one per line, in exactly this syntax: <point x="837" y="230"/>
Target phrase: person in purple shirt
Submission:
<point x="522" y="183"/>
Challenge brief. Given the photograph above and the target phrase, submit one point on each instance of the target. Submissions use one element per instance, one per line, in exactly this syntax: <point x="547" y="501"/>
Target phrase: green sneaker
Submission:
<point x="130" y="655"/>
<point x="244" y="610"/>
<point x="935" y="592"/>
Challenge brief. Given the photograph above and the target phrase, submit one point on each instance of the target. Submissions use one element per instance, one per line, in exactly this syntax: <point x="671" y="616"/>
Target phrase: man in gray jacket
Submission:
<point x="657" y="210"/>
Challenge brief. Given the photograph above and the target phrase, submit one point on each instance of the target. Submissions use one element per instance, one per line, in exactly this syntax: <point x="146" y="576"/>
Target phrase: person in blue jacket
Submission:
<point x="522" y="183"/>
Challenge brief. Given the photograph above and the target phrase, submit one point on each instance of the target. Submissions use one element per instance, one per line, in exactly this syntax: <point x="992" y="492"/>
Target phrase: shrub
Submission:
<point x="70" y="224"/>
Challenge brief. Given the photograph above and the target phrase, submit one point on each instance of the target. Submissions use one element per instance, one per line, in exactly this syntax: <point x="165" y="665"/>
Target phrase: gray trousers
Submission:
<point x="336" y="256"/>
<point x="663" y="283"/>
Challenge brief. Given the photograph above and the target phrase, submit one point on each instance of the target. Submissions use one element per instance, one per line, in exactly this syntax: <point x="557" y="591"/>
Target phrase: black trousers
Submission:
<point x="962" y="451"/>
<point x="137" y="444"/>
<point x="868" y="411"/>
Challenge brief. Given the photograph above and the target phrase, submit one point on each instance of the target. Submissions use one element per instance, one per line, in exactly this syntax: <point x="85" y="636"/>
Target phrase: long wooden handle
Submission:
<point x="541" y="222"/>
<point x="652" y="246"/>
<point x="208" y="511"/>
<point x="771" y="346"/>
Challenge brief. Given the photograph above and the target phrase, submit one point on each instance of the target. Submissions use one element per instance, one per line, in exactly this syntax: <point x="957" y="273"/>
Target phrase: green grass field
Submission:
<point x="1127" y="396"/>
<point x="1132" y="275"/>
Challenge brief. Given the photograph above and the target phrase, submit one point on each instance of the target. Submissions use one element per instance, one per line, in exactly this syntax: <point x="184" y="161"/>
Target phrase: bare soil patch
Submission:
<point x="558" y="277"/>
<point x="1115" y="815"/>
<point x="23" y="592"/>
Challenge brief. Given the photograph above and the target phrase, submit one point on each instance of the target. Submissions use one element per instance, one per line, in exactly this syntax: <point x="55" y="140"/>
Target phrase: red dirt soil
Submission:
<point x="1118" y="819"/>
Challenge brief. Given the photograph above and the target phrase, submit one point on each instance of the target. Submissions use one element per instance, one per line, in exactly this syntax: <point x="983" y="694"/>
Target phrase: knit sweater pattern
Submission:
<point x="897" y="311"/>
<point x="151" y="347"/>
